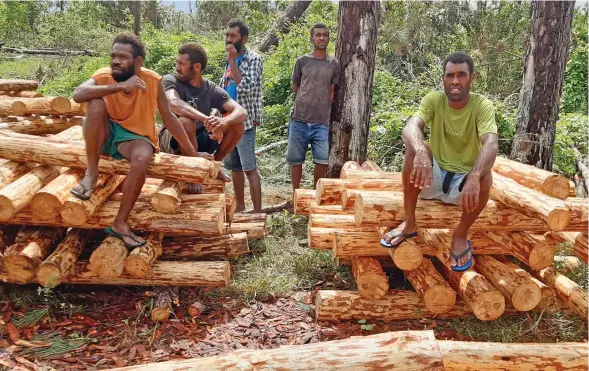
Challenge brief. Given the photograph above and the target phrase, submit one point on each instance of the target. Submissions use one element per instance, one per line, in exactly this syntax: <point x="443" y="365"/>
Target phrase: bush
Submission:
<point x="570" y="142"/>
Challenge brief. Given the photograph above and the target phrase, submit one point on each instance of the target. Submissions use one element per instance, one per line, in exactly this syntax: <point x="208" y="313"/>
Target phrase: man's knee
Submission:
<point x="140" y="160"/>
<point x="252" y="173"/>
<point x="96" y="108"/>
<point x="187" y="123"/>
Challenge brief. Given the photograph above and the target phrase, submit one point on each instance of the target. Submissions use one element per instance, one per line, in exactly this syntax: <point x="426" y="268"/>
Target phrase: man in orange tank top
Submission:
<point x="120" y="121"/>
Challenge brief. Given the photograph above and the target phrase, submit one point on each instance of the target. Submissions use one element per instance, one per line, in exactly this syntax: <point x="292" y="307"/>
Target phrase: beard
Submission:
<point x="125" y="75"/>
<point x="185" y="77"/>
<point x="238" y="45"/>
<point x="456" y="97"/>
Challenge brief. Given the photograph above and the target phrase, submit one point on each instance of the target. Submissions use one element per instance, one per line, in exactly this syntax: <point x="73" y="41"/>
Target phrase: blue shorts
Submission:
<point x="436" y="192"/>
<point x="300" y="134"/>
<point x="243" y="156"/>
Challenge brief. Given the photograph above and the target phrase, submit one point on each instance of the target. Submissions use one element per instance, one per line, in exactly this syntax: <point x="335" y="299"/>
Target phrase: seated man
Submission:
<point x="120" y="121"/>
<point x="192" y="97"/>
<point x="455" y="166"/>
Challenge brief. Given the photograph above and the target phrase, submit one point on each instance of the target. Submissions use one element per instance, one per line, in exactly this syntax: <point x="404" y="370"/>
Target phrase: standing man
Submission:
<point x="192" y="97"/>
<point x="314" y="79"/>
<point x="455" y="165"/>
<point x="242" y="80"/>
<point x="120" y="121"/>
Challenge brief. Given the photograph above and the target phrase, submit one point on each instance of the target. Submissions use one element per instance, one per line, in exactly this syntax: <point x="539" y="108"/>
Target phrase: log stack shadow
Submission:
<point x="514" y="240"/>
<point x="51" y="237"/>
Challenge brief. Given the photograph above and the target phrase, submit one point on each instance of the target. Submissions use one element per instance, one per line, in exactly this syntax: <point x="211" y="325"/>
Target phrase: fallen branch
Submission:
<point x="287" y="205"/>
<point x="270" y="146"/>
<point x="48" y="51"/>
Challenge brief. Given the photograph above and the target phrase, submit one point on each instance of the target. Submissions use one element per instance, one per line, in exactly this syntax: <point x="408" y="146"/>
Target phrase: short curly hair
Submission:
<point x="196" y="53"/>
<point x="133" y="40"/>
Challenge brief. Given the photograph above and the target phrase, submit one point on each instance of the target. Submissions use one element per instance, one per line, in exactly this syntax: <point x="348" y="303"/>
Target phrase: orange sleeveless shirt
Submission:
<point x="134" y="111"/>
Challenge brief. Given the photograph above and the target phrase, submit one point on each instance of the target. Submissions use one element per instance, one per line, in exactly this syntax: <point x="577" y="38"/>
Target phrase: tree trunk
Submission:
<point x="547" y="295"/>
<point x="43" y="151"/>
<point x="151" y="13"/>
<point x="136" y="10"/>
<point x="534" y="250"/>
<point x="356" y="52"/>
<point x="554" y="212"/>
<point x="255" y="230"/>
<point x="544" y="70"/>
<point x="165" y="297"/>
<point x="282" y="25"/>
<point x="322" y="238"/>
<point x="108" y="260"/>
<point x="371" y="280"/>
<point x="401" y="350"/>
<point x="344" y="222"/>
<point x="230" y="246"/>
<point x="429" y="284"/>
<point x="21" y="259"/>
<point x="167" y="198"/>
<point x="518" y="288"/>
<point x="577" y="239"/>
<point x="163" y="273"/>
<point x="61" y="262"/>
<point x="475" y="356"/>
<point x="574" y="295"/>
<point x="47" y="201"/>
<point x="41" y="126"/>
<point x="21" y="94"/>
<point x="76" y="211"/>
<point x="544" y="181"/>
<point x="329" y="191"/>
<point x="18" y="85"/>
<point x="303" y="198"/>
<point x="47" y="106"/>
<point x="140" y="260"/>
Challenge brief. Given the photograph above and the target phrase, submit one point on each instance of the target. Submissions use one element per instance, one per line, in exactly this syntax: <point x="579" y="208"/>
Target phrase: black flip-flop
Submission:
<point x="120" y="236"/>
<point x="405" y="236"/>
<point x="82" y="196"/>
<point x="462" y="268"/>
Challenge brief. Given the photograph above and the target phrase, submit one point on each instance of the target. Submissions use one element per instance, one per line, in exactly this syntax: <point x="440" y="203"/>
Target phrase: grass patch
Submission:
<point x="31" y="318"/>
<point x="547" y="327"/>
<point x="59" y="345"/>
<point x="580" y="274"/>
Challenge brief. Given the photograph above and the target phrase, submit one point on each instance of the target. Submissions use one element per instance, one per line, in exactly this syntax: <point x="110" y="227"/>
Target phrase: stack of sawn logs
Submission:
<point x="45" y="231"/>
<point x="528" y="216"/>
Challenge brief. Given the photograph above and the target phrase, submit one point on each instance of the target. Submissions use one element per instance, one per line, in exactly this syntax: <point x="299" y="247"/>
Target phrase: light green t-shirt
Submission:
<point x="454" y="134"/>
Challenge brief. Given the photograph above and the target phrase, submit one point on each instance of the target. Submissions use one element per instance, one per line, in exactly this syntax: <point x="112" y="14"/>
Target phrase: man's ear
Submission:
<point x="139" y="62"/>
<point x="473" y="77"/>
<point x="244" y="39"/>
<point x="196" y="67"/>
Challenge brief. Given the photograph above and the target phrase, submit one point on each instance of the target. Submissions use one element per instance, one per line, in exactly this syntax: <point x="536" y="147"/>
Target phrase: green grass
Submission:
<point x="580" y="274"/>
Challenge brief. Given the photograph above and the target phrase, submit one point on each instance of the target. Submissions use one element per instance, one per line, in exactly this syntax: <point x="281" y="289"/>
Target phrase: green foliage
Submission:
<point x="574" y="97"/>
<point x="75" y="72"/>
<point x="570" y="142"/>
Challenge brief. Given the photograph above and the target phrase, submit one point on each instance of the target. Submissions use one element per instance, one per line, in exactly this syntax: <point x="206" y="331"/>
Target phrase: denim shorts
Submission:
<point x="243" y="156"/>
<point x="300" y="135"/>
<point x="436" y="192"/>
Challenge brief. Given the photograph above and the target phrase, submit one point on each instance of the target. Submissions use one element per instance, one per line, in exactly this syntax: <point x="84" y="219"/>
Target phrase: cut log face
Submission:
<point x="574" y="295"/>
<point x="48" y="200"/>
<point x="429" y="284"/>
<point x="17" y="195"/>
<point x="518" y="288"/>
<point x="167" y="198"/>
<point x="108" y="260"/>
<point x="371" y="280"/>
<point x="18" y="85"/>
<point x="579" y="214"/>
<point x="534" y="250"/>
<point x="162" y="165"/>
<point x="42" y="106"/>
<point x="76" y="211"/>
<point x="554" y="212"/>
<point x="303" y="198"/>
<point x="162" y="273"/>
<point x="547" y="295"/>
<point x="60" y="263"/>
<point x="550" y="184"/>
<point x="140" y="260"/>
<point x="197" y="247"/>
<point x="21" y="259"/>
<point x="196" y="309"/>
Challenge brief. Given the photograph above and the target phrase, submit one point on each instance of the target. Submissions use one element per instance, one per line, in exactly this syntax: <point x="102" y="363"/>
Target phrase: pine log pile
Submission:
<point x="46" y="233"/>
<point x="528" y="216"/>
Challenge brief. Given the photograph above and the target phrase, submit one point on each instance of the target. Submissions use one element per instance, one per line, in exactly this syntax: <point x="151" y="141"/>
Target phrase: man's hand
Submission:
<point x="231" y="52"/>
<point x="469" y="198"/>
<point x="214" y="122"/>
<point x="133" y="83"/>
<point x="422" y="173"/>
<point x="206" y="155"/>
<point x="217" y="134"/>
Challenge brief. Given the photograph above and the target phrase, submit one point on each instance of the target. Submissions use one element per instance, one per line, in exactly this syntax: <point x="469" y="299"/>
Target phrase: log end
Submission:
<point x="408" y="256"/>
<point x="526" y="296"/>
<point x="61" y="105"/>
<point x="558" y="219"/>
<point x="137" y="266"/>
<point x="73" y="213"/>
<point x="108" y="260"/>
<point x="440" y="299"/>
<point x="165" y="204"/>
<point x="488" y="305"/>
<point x="556" y="186"/>
<point x="19" y="108"/>
<point x="160" y="314"/>
<point x="541" y="257"/>
<point x="7" y="209"/>
<point x="373" y="286"/>
<point x="49" y="275"/>
<point x="20" y="269"/>
<point x="196" y="309"/>
<point x="45" y="206"/>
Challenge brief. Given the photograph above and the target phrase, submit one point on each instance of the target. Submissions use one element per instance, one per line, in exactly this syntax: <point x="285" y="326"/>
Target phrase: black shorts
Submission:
<point x="169" y="144"/>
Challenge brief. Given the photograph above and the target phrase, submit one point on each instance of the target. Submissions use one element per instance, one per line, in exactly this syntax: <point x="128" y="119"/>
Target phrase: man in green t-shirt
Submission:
<point x="454" y="166"/>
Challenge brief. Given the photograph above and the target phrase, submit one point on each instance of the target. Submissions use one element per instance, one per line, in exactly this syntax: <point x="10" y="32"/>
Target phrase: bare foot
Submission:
<point x="127" y="234"/>
<point x="240" y="208"/>
<point x="206" y="155"/>
<point x="222" y="176"/>
<point x="196" y="189"/>
<point x="399" y="232"/>
<point x="85" y="187"/>
<point x="459" y="245"/>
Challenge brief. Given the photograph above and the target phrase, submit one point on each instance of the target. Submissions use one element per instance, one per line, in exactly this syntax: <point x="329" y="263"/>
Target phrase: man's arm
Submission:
<point x="236" y="117"/>
<point x="331" y="92"/>
<point x="469" y="198"/>
<point x="422" y="164"/>
<point x="88" y="90"/>
<point x="181" y="108"/>
<point x="231" y="55"/>
<point x="295" y="87"/>
<point x="173" y="125"/>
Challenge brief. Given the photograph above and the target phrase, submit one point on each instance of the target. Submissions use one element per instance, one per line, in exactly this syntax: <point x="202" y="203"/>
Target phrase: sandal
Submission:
<point x="462" y="268"/>
<point x="121" y="236"/>
<point x="405" y="236"/>
<point x="84" y="195"/>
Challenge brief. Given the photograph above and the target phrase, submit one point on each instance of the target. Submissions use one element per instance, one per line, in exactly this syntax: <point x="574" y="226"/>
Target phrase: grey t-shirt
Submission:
<point x="314" y="77"/>
<point x="203" y="98"/>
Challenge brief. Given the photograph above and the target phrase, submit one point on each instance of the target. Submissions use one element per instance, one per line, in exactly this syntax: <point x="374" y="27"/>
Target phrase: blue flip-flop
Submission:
<point x="405" y="236"/>
<point x="120" y="236"/>
<point x="462" y="268"/>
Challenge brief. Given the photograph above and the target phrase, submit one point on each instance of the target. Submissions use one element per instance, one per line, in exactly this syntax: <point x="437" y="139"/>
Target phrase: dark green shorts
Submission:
<point x="118" y="135"/>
